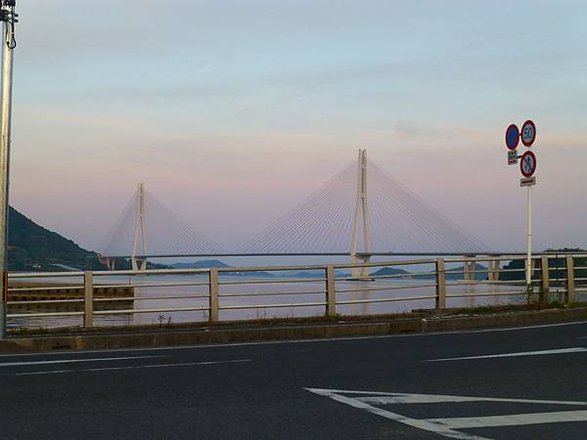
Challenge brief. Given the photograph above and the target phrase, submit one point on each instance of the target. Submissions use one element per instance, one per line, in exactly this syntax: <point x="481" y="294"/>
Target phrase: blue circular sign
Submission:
<point x="512" y="136"/>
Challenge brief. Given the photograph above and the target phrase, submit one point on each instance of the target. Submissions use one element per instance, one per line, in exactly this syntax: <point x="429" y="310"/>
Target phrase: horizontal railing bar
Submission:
<point x="482" y="282"/>
<point x="277" y="281"/>
<point x="473" y="295"/>
<point x="126" y="273"/>
<point x="43" y="289"/>
<point x="141" y="285"/>
<point x="270" y="306"/>
<point x="380" y="300"/>
<point x="270" y="268"/>
<point x="513" y="270"/>
<point x="303" y="292"/>
<point x="44" y="314"/>
<point x="20" y="275"/>
<point x="379" y="289"/>
<point x="46" y="301"/>
<point x="168" y="310"/>
<point x="401" y="275"/>
<point x="488" y="283"/>
<point x="159" y="298"/>
<point x="383" y="264"/>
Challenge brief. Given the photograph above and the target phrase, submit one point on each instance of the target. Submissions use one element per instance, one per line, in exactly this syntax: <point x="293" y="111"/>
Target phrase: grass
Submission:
<point x="263" y="321"/>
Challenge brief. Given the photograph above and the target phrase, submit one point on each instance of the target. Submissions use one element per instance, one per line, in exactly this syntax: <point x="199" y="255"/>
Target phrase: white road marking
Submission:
<point x="447" y="427"/>
<point x="512" y="420"/>
<point x="420" y="424"/>
<point x="438" y="398"/>
<point x="521" y="353"/>
<point x="136" y="367"/>
<point x="72" y="361"/>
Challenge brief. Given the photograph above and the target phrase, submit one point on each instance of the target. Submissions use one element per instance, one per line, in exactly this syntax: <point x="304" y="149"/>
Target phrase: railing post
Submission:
<point x="213" y="287"/>
<point x="493" y="270"/>
<point x="440" y="284"/>
<point x="330" y="292"/>
<point x="88" y="299"/>
<point x="469" y="271"/>
<point x="570" y="297"/>
<point x="544" y="280"/>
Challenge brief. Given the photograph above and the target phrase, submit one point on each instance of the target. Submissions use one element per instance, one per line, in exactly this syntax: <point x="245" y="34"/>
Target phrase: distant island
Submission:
<point x="209" y="264"/>
<point x="204" y="264"/>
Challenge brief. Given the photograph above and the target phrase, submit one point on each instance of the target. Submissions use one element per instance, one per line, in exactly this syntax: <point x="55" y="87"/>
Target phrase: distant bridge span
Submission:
<point x="110" y="261"/>
<point x="344" y="217"/>
<point x="319" y="254"/>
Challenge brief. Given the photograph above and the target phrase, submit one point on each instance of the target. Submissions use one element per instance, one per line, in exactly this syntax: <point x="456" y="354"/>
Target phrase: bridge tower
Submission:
<point x="361" y="222"/>
<point x="139" y="245"/>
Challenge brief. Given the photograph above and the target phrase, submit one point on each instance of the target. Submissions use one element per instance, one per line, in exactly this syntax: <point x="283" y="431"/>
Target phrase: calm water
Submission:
<point x="241" y="298"/>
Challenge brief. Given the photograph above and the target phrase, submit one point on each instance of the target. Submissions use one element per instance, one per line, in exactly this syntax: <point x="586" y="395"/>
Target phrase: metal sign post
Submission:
<point x="527" y="168"/>
<point x="8" y="17"/>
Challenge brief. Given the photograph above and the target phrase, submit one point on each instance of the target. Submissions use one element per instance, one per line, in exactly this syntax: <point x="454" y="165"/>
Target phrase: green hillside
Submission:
<point x="34" y="248"/>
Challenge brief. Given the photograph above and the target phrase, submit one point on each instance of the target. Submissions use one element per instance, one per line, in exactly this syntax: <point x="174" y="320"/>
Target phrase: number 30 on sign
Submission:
<point x="528" y="133"/>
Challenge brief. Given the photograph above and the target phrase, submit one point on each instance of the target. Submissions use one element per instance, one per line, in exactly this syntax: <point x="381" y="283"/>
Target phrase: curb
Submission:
<point x="218" y="335"/>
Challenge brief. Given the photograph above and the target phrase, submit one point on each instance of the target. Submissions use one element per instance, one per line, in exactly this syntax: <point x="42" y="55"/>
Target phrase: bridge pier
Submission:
<point x="139" y="263"/>
<point x="360" y="273"/>
<point x="110" y="263"/>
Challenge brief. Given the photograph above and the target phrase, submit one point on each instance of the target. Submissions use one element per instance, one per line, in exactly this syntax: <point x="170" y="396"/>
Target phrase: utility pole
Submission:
<point x="9" y="18"/>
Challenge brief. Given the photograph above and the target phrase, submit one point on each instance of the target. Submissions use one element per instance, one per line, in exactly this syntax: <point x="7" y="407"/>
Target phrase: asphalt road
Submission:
<point x="526" y="383"/>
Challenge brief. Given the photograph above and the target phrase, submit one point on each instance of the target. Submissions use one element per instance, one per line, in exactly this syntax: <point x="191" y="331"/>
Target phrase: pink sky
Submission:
<point x="237" y="112"/>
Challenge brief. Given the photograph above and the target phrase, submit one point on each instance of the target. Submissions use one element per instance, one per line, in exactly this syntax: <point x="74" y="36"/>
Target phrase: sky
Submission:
<point x="232" y="112"/>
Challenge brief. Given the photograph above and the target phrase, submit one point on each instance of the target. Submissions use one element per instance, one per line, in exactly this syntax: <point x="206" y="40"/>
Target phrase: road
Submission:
<point x="524" y="383"/>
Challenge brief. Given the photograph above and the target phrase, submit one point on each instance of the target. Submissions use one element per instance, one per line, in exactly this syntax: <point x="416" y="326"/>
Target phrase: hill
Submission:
<point x="389" y="271"/>
<point x="204" y="264"/>
<point x="34" y="248"/>
<point x="556" y="265"/>
<point x="455" y="274"/>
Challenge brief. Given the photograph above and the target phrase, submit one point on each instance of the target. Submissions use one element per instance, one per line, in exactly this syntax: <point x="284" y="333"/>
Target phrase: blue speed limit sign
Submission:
<point x="528" y="133"/>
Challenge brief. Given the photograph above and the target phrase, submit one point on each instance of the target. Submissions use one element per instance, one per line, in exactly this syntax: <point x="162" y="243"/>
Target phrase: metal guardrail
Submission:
<point x="220" y="294"/>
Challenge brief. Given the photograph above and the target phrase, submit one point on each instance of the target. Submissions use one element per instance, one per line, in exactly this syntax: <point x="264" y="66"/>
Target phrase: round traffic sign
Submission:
<point x="528" y="133"/>
<point x="528" y="164"/>
<point x="512" y="136"/>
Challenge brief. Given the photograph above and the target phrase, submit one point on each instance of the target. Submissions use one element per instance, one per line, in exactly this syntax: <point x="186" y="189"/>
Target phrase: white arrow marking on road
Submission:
<point x="368" y="401"/>
<point x="522" y="353"/>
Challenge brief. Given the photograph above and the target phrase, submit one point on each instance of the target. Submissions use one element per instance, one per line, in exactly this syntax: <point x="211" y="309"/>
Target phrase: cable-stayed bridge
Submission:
<point x="360" y="212"/>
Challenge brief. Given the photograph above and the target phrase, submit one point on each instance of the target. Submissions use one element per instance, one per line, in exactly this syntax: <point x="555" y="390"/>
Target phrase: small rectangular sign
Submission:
<point x="512" y="157"/>
<point x="528" y="181"/>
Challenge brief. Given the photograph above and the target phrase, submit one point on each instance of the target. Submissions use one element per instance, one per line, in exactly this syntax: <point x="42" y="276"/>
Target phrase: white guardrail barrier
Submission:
<point x="104" y="298"/>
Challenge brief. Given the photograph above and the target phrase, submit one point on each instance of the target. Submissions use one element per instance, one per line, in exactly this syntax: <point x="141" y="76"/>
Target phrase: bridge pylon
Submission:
<point x="361" y="222"/>
<point x="139" y="244"/>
